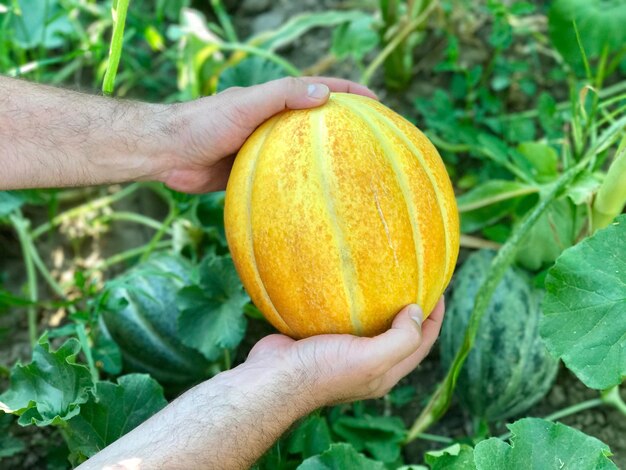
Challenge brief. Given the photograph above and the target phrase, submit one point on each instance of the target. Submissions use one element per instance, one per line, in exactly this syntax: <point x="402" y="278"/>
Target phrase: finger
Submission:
<point x="342" y="85"/>
<point x="430" y="333"/>
<point x="400" y="341"/>
<point x="263" y="101"/>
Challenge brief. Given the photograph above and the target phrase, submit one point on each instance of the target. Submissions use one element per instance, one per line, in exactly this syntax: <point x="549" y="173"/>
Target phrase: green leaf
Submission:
<point x="300" y="24"/>
<point x="585" y="308"/>
<point x="49" y="390"/>
<point x="583" y="188"/>
<point x="455" y="457"/>
<point x="340" y="457"/>
<point x="492" y="192"/>
<point x="107" y="355"/>
<point x="600" y="24"/>
<point x="40" y="22"/>
<point x="209" y="214"/>
<point x="9" y="201"/>
<point x="312" y="437"/>
<point x="491" y="201"/>
<point x="356" y="38"/>
<point x="381" y="436"/>
<point x="543" y="159"/>
<point x="248" y="72"/>
<point x="211" y="317"/>
<point x="540" y="444"/>
<point x="115" y="410"/>
<point x="554" y="232"/>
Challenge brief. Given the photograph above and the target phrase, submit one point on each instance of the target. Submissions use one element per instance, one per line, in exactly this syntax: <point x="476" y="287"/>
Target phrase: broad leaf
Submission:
<point x="299" y="25"/>
<point x="492" y="192"/>
<point x="356" y="38"/>
<point x="115" y="410"/>
<point x="312" y="437"/>
<point x="543" y="159"/>
<point x="536" y="443"/>
<point x="491" y="201"/>
<point x="554" y="232"/>
<point x="211" y="317"/>
<point x="248" y="72"/>
<point x="585" y="308"/>
<point x="455" y="457"/>
<point x="40" y="23"/>
<point x="9" y="201"/>
<point x="381" y="436"/>
<point x="49" y="390"/>
<point x="340" y="457"/>
<point x="600" y="24"/>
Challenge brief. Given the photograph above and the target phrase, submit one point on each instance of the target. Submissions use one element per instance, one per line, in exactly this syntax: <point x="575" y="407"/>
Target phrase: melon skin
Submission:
<point x="339" y="216"/>
<point x="509" y="369"/>
<point x="145" y="325"/>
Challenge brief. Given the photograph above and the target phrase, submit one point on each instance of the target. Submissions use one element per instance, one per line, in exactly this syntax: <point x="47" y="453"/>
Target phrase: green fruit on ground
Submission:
<point x="141" y="317"/>
<point x="509" y="368"/>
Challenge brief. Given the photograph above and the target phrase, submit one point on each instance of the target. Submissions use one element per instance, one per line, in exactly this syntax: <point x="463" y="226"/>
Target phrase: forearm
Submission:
<point x="51" y="137"/>
<point x="225" y="423"/>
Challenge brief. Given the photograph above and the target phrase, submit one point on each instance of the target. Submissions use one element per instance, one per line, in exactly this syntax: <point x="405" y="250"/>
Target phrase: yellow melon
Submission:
<point x="339" y="216"/>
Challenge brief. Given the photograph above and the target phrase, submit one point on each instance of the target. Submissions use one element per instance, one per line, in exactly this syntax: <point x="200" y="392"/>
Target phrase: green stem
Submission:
<point x="137" y="218"/>
<point x="84" y="342"/>
<point x="440" y="401"/>
<point x="434" y="438"/>
<point x="21" y="227"/>
<point x="128" y="254"/>
<point x="157" y="236"/>
<point x="395" y="42"/>
<point x="269" y="55"/>
<point x="497" y="198"/>
<point x="87" y="207"/>
<point x="224" y="20"/>
<point x="570" y="410"/>
<point x="448" y="146"/>
<point x="613" y="398"/>
<point x="118" y="12"/>
<point x="43" y="270"/>
<point x="604" y="93"/>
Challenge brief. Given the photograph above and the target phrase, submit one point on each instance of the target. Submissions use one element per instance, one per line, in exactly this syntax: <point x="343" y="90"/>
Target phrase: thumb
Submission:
<point x="270" y="98"/>
<point x="403" y="338"/>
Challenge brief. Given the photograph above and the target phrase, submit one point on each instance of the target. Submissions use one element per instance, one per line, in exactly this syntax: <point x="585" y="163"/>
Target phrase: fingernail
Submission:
<point x="317" y="91"/>
<point x="416" y="315"/>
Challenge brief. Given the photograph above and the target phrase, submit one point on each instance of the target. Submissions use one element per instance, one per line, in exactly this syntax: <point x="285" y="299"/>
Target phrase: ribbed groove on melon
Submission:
<point x="445" y="217"/>
<point x="255" y="269"/>
<point x="157" y="338"/>
<point x="406" y="191"/>
<point x="348" y="271"/>
<point x="525" y="355"/>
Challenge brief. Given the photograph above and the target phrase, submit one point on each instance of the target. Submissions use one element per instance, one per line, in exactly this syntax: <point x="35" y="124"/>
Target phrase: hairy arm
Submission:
<point x="228" y="422"/>
<point x="51" y="137"/>
<point x="224" y="423"/>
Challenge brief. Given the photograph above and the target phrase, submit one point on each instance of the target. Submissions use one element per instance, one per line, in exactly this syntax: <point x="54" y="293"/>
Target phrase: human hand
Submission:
<point x="209" y="131"/>
<point x="343" y="368"/>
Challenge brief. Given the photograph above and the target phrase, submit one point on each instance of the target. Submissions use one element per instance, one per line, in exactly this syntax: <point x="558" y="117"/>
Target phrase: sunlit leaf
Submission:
<point x="340" y="457"/>
<point x="115" y="410"/>
<point x="585" y="308"/>
<point x="212" y="316"/>
<point x="49" y="390"/>
<point x="536" y="443"/>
